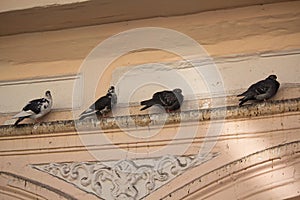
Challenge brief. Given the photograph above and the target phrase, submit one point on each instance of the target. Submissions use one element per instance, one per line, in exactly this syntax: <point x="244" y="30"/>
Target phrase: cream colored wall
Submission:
<point x="256" y="37"/>
<point x="256" y="29"/>
<point x="246" y="43"/>
<point x="48" y="15"/>
<point x="12" y="5"/>
<point x="248" y="131"/>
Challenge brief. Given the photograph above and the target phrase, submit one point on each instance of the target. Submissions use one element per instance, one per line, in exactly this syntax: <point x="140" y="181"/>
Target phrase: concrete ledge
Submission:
<point x="146" y="120"/>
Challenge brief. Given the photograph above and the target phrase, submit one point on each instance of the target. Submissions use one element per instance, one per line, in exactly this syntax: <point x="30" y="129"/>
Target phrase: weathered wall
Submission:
<point x="263" y="39"/>
<point x="230" y="152"/>
<point x="210" y="156"/>
<point x="35" y="16"/>
<point x="264" y="28"/>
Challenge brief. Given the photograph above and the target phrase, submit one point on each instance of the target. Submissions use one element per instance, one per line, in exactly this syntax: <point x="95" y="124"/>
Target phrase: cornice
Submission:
<point x="263" y="109"/>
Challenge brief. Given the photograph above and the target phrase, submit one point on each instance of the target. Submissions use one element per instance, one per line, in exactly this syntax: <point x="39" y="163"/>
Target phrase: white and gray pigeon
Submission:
<point x="262" y="90"/>
<point x="35" y="108"/>
<point x="169" y="100"/>
<point x="102" y="106"/>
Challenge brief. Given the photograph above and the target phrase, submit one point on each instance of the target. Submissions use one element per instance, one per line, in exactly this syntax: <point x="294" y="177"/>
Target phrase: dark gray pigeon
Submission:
<point x="262" y="90"/>
<point x="170" y="100"/>
<point x="35" y="108"/>
<point x="102" y="106"/>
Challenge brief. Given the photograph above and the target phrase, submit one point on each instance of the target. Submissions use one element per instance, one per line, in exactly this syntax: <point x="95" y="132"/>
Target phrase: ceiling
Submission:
<point x="44" y="17"/>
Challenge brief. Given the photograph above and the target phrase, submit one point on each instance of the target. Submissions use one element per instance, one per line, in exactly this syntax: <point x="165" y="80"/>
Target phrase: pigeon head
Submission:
<point x="177" y="90"/>
<point x="48" y="94"/>
<point x="273" y="77"/>
<point x="109" y="95"/>
<point x="111" y="89"/>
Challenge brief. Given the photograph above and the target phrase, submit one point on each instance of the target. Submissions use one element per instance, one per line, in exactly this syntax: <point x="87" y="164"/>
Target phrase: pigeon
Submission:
<point x="262" y="90"/>
<point x="170" y="100"/>
<point x="35" y="108"/>
<point x="102" y="106"/>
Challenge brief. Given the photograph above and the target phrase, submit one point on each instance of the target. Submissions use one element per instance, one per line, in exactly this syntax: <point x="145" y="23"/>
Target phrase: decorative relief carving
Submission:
<point x="125" y="179"/>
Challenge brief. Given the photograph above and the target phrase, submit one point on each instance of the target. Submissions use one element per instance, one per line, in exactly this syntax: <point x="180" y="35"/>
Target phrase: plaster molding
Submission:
<point x="19" y="187"/>
<point x="123" y="179"/>
<point x="39" y="80"/>
<point x="269" y="108"/>
<point x="267" y="161"/>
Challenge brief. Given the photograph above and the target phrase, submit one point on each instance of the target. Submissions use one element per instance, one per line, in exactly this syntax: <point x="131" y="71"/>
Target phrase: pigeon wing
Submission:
<point x="37" y="105"/>
<point x="23" y="114"/>
<point x="267" y="89"/>
<point x="103" y="103"/>
<point x="260" y="87"/>
<point x="99" y="105"/>
<point x="254" y="89"/>
<point x="33" y="107"/>
<point x="169" y="98"/>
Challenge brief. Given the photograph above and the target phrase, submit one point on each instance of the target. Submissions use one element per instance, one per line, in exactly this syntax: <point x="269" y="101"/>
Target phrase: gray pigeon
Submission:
<point x="35" y="108"/>
<point x="102" y="106"/>
<point x="170" y="100"/>
<point x="262" y="90"/>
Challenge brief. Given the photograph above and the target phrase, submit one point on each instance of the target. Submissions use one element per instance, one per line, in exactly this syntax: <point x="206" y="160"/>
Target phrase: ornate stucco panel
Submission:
<point x="123" y="179"/>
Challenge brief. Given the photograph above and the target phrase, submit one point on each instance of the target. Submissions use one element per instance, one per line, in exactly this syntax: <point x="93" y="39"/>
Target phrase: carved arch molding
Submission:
<point x="13" y="186"/>
<point x="143" y="178"/>
<point x="273" y="173"/>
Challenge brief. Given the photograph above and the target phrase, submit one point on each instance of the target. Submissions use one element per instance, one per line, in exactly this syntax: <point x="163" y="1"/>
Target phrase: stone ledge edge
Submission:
<point x="147" y="120"/>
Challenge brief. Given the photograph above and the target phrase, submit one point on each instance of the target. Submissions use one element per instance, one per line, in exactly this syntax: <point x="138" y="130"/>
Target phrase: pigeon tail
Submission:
<point x="144" y="108"/>
<point x="147" y="104"/>
<point x="244" y="100"/>
<point x="87" y="113"/>
<point x="19" y="120"/>
<point x="84" y="116"/>
<point x="25" y="114"/>
<point x="81" y="117"/>
<point x="243" y="94"/>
